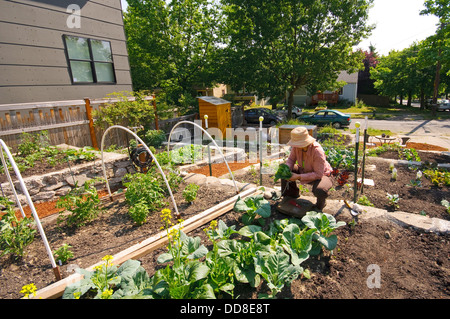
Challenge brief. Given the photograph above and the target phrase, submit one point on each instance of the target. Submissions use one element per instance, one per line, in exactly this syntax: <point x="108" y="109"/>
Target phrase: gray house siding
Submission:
<point x="33" y="58"/>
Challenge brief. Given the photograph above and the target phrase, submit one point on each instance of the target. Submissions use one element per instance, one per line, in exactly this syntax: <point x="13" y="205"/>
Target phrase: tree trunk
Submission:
<point x="437" y="78"/>
<point x="422" y="99"/>
<point x="290" y="103"/>
<point x="409" y="99"/>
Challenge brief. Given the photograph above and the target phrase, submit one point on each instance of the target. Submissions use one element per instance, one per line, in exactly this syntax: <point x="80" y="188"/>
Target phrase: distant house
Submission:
<point x="348" y="92"/>
<point x="54" y="50"/>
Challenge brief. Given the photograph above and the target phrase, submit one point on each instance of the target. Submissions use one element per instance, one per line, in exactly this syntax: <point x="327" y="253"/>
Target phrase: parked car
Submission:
<point x="444" y="105"/>
<point x="326" y="117"/>
<point x="296" y="111"/>
<point x="270" y="117"/>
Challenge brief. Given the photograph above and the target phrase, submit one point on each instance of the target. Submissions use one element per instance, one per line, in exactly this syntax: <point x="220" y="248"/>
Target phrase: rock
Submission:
<point x="54" y="187"/>
<point x="121" y="172"/>
<point x="50" y="180"/>
<point x="63" y="191"/>
<point x="387" y="234"/>
<point x="44" y="195"/>
<point x="79" y="180"/>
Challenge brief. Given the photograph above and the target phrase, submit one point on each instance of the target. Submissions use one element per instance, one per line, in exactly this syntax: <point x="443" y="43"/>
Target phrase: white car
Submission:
<point x="296" y="111"/>
<point x="444" y="105"/>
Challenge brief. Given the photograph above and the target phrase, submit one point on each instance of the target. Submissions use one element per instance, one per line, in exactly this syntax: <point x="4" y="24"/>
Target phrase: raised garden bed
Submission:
<point x="413" y="265"/>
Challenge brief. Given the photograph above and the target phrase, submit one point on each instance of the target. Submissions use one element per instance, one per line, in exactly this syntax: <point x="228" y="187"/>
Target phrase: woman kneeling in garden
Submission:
<point x="308" y="164"/>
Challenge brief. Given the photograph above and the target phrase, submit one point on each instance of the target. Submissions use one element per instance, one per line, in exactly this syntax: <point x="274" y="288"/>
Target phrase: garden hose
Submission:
<point x="140" y="157"/>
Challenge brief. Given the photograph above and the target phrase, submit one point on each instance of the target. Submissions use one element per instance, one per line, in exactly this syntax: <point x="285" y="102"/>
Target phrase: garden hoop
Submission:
<point x="149" y="151"/>
<point x="195" y="124"/>
<point x="30" y="204"/>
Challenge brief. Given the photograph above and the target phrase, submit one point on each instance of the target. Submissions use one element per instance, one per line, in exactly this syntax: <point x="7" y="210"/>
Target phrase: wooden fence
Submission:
<point x="68" y="122"/>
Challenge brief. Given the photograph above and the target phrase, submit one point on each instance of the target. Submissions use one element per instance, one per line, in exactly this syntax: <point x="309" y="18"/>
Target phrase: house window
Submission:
<point x="90" y="61"/>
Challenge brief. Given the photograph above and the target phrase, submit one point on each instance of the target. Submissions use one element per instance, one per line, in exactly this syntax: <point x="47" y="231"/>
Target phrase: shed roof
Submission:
<point x="213" y="100"/>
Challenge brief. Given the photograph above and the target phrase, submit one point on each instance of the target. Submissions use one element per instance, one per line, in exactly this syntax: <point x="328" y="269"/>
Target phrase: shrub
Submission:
<point x="155" y="138"/>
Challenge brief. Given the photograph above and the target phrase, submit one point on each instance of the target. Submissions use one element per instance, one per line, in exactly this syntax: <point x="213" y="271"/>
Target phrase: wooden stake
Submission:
<point x="91" y="122"/>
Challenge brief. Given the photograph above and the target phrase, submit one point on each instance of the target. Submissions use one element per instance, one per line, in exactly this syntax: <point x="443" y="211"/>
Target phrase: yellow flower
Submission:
<point x="77" y="295"/>
<point x="108" y="258"/>
<point x="28" y="290"/>
<point x="107" y="293"/>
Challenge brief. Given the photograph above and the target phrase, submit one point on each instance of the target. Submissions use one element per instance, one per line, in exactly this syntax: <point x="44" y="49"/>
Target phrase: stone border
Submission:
<point x="48" y="186"/>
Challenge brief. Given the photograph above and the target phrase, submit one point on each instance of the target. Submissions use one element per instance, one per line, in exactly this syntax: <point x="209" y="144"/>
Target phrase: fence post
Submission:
<point x="91" y="122"/>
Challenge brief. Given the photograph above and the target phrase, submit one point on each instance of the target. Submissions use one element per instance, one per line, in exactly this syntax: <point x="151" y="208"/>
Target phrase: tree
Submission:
<point x="365" y="83"/>
<point x="404" y="73"/>
<point x="439" y="41"/>
<point x="295" y="43"/>
<point x="171" y="45"/>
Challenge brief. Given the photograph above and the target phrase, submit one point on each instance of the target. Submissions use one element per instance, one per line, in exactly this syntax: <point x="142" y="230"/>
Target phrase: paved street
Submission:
<point x="436" y="132"/>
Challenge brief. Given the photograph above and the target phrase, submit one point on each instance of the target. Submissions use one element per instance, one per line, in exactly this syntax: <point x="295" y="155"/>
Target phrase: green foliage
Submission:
<point x="138" y="111"/>
<point x="171" y="46"/>
<point x="252" y="207"/>
<point x="83" y="204"/>
<point x="446" y="204"/>
<point x="147" y="192"/>
<point x="80" y="155"/>
<point x="139" y="212"/>
<point x="393" y="200"/>
<point x="439" y="177"/>
<point x="154" y="138"/>
<point x="192" y="271"/>
<point x="190" y="192"/>
<point x="15" y="233"/>
<point x="340" y="157"/>
<point x="363" y="200"/>
<point x="34" y="147"/>
<point x="63" y="253"/>
<point x="283" y="172"/>
<point x="288" y="50"/>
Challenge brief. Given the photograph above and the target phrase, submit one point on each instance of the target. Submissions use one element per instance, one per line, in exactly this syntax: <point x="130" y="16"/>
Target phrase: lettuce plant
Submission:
<point x="252" y="206"/>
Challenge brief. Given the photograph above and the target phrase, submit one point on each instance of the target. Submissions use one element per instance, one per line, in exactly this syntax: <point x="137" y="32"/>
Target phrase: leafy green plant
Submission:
<point x="393" y="200"/>
<point x="325" y="224"/>
<point x="78" y="155"/>
<point x="252" y="207"/>
<point x="15" y="233"/>
<point x="340" y="157"/>
<point x="276" y="269"/>
<point x="63" y="253"/>
<point x="190" y="192"/>
<point x="363" y="200"/>
<point x="154" y="138"/>
<point x="439" y="177"/>
<point x="283" y="172"/>
<point x="446" y="204"/>
<point x="139" y="212"/>
<point x="83" y="203"/>
<point x="107" y="281"/>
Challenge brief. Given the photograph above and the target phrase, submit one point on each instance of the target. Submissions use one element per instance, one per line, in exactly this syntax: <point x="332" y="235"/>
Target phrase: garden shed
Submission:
<point x="218" y="111"/>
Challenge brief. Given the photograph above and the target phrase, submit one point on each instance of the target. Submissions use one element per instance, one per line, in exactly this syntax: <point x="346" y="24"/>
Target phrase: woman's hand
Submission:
<point x="294" y="177"/>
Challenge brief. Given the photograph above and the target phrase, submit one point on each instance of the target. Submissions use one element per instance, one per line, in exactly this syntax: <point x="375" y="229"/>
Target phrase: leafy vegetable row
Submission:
<point x="248" y="255"/>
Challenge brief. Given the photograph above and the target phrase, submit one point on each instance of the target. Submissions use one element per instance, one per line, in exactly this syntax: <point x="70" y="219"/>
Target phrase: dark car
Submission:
<point x="327" y="117"/>
<point x="270" y="117"/>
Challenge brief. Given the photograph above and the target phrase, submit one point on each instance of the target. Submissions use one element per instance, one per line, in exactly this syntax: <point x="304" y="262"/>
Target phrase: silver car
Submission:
<point x="444" y="105"/>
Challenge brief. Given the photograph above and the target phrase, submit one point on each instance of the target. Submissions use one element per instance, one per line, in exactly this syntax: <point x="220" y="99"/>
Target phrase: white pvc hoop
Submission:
<point x="27" y="195"/>
<point x="195" y="124"/>
<point x="148" y="150"/>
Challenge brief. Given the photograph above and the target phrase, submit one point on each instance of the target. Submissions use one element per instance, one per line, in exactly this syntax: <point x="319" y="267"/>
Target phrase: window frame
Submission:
<point x="91" y="62"/>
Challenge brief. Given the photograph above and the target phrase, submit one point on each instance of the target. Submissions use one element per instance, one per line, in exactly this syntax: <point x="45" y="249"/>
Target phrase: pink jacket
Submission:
<point x="314" y="164"/>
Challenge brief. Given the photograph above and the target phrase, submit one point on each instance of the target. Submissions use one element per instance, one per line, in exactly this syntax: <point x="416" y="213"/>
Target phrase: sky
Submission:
<point x="398" y="24"/>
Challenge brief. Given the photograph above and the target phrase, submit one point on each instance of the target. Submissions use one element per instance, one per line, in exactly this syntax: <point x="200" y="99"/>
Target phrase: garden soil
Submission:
<point x="411" y="264"/>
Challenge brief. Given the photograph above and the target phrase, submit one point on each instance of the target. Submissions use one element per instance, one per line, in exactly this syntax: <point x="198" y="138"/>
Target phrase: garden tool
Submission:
<point x="355" y="209"/>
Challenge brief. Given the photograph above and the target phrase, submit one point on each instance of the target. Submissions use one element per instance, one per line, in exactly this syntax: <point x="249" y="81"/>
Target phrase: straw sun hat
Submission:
<point x="300" y="137"/>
